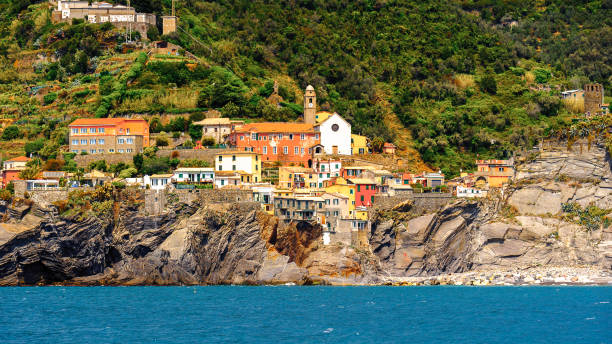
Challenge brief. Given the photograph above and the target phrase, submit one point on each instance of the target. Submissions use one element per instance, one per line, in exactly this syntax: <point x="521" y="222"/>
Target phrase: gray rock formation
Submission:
<point x="199" y="243"/>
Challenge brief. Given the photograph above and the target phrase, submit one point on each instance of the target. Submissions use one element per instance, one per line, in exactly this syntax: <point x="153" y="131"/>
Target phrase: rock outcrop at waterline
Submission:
<point x="506" y="236"/>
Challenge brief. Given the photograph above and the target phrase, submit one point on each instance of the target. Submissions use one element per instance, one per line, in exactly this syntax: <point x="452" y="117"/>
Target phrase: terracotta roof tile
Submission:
<point x="276" y="127"/>
<point x="20" y="159"/>
<point x="102" y="121"/>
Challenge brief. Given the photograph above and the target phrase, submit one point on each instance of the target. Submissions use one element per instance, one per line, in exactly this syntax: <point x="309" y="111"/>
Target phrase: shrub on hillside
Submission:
<point x="50" y="98"/>
<point x="10" y="133"/>
<point x="488" y="84"/>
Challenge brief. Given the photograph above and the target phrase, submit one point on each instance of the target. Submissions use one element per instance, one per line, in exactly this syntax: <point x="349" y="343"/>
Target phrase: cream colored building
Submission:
<point x="218" y="128"/>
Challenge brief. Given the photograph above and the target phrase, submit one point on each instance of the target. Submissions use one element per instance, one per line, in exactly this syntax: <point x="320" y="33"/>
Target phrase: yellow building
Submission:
<point x="361" y="213"/>
<point x="342" y="187"/>
<point x="359" y="144"/>
<point x="244" y="162"/>
<point x="297" y="177"/>
<point x="322" y="116"/>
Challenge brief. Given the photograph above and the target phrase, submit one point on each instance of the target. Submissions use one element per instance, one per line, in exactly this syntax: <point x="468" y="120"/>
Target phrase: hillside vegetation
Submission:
<point x="462" y="77"/>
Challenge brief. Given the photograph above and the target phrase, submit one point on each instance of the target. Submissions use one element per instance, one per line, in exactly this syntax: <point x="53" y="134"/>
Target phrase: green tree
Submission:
<point x="10" y="133"/>
<point x="488" y="84"/>
<point x="195" y="131"/>
<point x="223" y="87"/>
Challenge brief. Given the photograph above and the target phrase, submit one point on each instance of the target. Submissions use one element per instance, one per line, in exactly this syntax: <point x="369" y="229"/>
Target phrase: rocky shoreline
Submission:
<point x="520" y="237"/>
<point x="560" y="276"/>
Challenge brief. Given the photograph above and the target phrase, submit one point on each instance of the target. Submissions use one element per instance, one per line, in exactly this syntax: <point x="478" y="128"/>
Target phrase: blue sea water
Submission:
<point x="306" y="314"/>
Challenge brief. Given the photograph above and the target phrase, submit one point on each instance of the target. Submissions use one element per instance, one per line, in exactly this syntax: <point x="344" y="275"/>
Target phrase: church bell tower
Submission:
<point x="310" y="105"/>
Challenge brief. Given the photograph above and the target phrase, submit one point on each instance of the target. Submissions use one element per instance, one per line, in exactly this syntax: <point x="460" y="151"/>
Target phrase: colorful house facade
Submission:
<point x="277" y="141"/>
<point x="108" y="135"/>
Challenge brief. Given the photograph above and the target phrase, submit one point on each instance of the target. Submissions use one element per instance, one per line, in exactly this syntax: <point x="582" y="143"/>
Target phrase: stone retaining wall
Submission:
<point x="110" y="158"/>
<point x="200" y="154"/>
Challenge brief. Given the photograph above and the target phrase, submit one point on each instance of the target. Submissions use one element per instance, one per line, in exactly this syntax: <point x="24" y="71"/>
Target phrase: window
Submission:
<point x="101" y="130"/>
<point x="371" y="199"/>
<point x="320" y="175"/>
<point x="100" y="150"/>
<point x="337" y="166"/>
<point x="316" y="136"/>
<point x="233" y="158"/>
<point x="111" y="150"/>
<point x="127" y="131"/>
<point x="75" y="130"/>
<point x="270" y="137"/>
<point x="75" y="151"/>
<point x="129" y="150"/>
<point x="180" y="175"/>
<point x="233" y="167"/>
<point x="322" y="168"/>
<point x="264" y="138"/>
<point x="285" y="150"/>
<point x="336" y="202"/>
<point x="92" y="141"/>
<point x="296" y="150"/>
<point x="302" y="137"/>
<point x="362" y="198"/>
<point x="130" y="141"/>
<point x="100" y="141"/>
<point x="367" y="187"/>
<point x="121" y="151"/>
<point x="328" y="175"/>
<point x="254" y="136"/>
<point x="120" y="141"/>
<point x="220" y="168"/>
<point x="93" y="151"/>
<point x="302" y="150"/>
<point x="220" y="158"/>
<point x="256" y="157"/>
<point x="83" y="130"/>
<point x="241" y="139"/>
<point x="265" y="150"/>
<point x="92" y="130"/>
<point x="352" y="193"/>
<point x="359" y="188"/>
<point x="75" y="142"/>
<point x="335" y="127"/>
<point x="83" y="142"/>
<point x="290" y="136"/>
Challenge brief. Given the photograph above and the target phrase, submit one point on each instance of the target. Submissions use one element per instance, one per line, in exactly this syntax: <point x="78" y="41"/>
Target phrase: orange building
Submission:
<point x="495" y="173"/>
<point x="277" y="141"/>
<point x="108" y="135"/>
<point x="11" y="169"/>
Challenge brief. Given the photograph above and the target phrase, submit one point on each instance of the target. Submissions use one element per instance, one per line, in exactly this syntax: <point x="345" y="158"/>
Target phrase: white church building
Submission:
<point x="335" y="135"/>
<point x="335" y="131"/>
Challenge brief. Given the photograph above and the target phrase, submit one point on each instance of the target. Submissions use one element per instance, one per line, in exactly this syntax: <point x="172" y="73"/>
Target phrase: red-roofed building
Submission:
<point x="389" y="148"/>
<point x="108" y="135"/>
<point x="11" y="169"/>
<point x="277" y="141"/>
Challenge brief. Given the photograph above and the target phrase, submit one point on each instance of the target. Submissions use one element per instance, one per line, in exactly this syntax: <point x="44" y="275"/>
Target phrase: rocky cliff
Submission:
<point x="551" y="225"/>
<point x="524" y="235"/>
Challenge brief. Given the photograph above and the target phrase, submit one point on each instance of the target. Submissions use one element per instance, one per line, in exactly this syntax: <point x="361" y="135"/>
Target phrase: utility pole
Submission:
<point x="172" y="8"/>
<point x="129" y="26"/>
